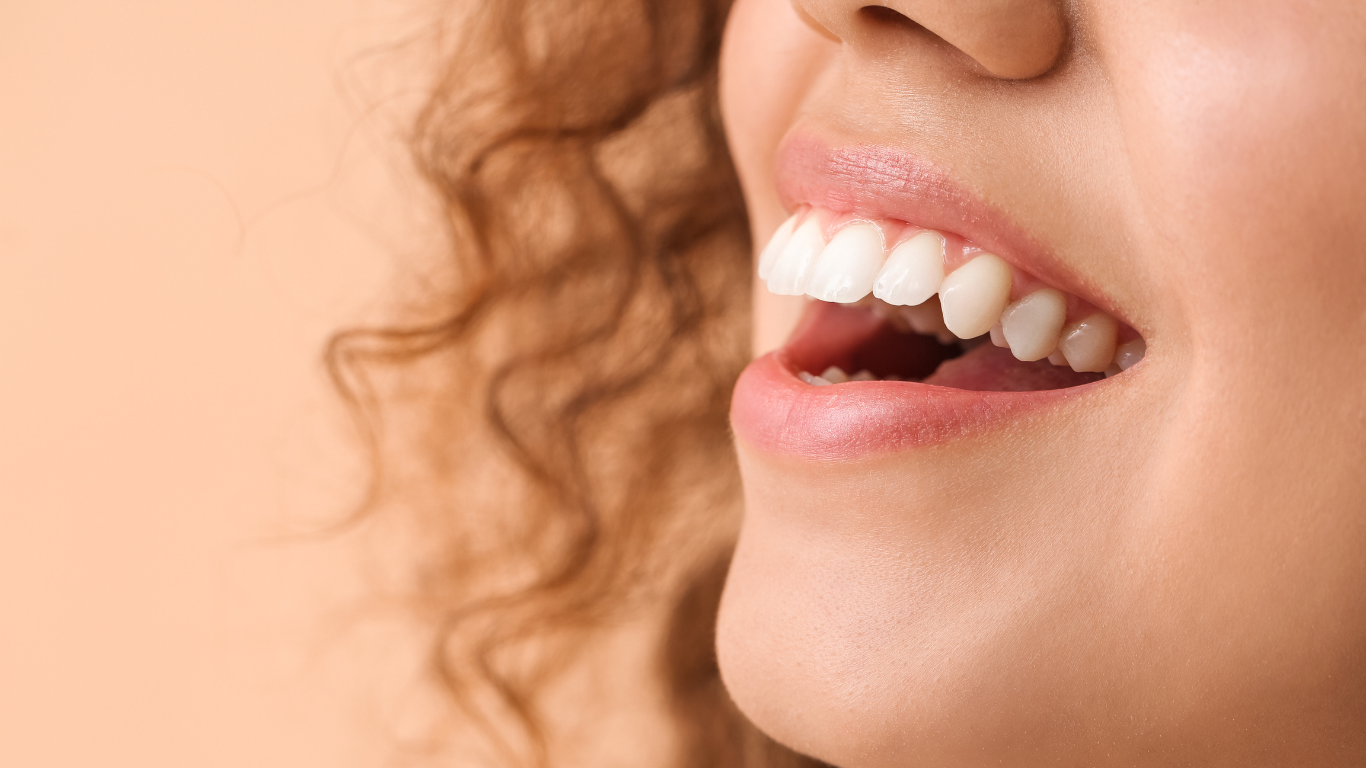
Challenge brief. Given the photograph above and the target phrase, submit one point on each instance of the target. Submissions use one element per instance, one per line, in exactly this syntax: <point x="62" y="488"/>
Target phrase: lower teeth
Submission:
<point x="836" y="375"/>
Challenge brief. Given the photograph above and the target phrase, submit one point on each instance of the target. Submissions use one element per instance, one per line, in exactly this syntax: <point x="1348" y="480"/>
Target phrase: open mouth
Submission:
<point x="858" y="343"/>
<point x="899" y="302"/>
<point x="934" y="316"/>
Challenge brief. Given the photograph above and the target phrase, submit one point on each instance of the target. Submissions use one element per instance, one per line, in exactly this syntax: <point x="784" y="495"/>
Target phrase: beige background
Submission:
<point x="192" y="196"/>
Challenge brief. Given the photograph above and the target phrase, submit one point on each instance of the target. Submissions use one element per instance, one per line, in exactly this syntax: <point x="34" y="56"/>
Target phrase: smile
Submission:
<point x="931" y="284"/>
<point x="916" y="333"/>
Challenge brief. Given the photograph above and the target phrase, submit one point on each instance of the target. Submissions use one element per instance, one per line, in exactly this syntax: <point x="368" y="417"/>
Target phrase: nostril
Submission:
<point x="1009" y="39"/>
<point x="881" y="14"/>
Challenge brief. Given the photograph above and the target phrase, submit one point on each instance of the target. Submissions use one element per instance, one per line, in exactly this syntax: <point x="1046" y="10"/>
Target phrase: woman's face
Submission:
<point x="1167" y="565"/>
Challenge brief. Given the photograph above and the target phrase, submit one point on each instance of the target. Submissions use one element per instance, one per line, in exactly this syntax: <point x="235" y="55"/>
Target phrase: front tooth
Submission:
<point x="791" y="268"/>
<point x="1032" y="324"/>
<point x="1130" y="352"/>
<point x="814" y="381"/>
<point x="1089" y="345"/>
<point x="914" y="271"/>
<point x="769" y="256"/>
<point x="974" y="295"/>
<point x="845" y="270"/>
<point x="835" y="375"/>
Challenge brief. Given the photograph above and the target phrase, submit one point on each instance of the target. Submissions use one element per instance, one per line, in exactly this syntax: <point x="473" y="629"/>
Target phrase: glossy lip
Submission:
<point x="775" y="412"/>
<point x="879" y="182"/>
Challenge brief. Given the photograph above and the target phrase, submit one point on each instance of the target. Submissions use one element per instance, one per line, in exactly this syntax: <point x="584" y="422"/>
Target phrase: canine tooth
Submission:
<point x="1130" y="352"/>
<point x="769" y="256"/>
<point x="974" y="295"/>
<point x="1089" y="345"/>
<point x="998" y="336"/>
<point x="1057" y="358"/>
<point x="863" y="375"/>
<point x="844" y="271"/>
<point x="1032" y="324"/>
<point x="1113" y="370"/>
<point x="914" y="271"/>
<point x="835" y="375"/>
<point x="814" y="381"/>
<point x="793" y="266"/>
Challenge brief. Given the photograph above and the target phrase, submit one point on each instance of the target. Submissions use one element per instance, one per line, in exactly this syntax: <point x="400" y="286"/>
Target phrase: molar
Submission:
<point x="792" y="267"/>
<point x="845" y="270"/>
<point x="975" y="294"/>
<point x="914" y="271"/>
<point x="1089" y="345"/>
<point x="1032" y="325"/>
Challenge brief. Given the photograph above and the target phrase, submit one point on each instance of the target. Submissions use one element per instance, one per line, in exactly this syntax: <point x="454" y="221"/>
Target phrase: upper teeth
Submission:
<point x="976" y="297"/>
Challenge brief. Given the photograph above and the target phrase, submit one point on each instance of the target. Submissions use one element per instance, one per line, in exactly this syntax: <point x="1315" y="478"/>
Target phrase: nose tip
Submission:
<point x="1010" y="39"/>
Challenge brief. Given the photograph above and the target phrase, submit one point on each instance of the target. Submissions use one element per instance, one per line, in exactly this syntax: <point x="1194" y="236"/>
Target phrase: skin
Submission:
<point x="1174" y="573"/>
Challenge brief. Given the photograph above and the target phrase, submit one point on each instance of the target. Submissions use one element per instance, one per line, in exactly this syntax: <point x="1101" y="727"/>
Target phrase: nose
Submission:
<point x="1010" y="39"/>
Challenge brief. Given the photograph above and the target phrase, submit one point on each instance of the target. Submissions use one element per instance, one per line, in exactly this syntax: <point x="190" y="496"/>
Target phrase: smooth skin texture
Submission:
<point x="1174" y="574"/>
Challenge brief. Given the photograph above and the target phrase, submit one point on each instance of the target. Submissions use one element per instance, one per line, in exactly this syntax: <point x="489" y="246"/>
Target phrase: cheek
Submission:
<point x="1246" y="142"/>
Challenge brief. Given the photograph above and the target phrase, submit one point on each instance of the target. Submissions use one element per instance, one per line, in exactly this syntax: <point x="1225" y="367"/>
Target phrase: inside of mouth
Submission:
<point x="863" y="345"/>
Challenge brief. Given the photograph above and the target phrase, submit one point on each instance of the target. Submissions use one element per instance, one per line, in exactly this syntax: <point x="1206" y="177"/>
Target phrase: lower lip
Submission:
<point x="775" y="412"/>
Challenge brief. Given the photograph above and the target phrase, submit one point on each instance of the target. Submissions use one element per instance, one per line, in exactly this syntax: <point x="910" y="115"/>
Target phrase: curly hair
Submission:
<point x="552" y="411"/>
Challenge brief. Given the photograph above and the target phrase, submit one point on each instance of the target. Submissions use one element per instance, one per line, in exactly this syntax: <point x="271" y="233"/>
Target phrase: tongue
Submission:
<point x="989" y="368"/>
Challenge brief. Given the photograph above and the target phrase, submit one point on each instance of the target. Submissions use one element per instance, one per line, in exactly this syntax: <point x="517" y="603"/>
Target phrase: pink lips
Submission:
<point x="775" y="412"/>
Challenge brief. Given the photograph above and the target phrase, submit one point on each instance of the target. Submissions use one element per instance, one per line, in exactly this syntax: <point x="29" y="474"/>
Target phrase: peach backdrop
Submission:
<point x="192" y="196"/>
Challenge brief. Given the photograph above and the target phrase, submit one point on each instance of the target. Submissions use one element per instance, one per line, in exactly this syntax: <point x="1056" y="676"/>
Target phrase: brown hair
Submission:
<point x="552" y="411"/>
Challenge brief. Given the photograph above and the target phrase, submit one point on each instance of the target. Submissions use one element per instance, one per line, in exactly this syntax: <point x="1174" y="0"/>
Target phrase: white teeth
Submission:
<point x="974" y="295"/>
<point x="814" y="381"/>
<point x="769" y="256"/>
<point x="1089" y="345"/>
<point x="1032" y="324"/>
<point x="845" y="270"/>
<point x="971" y="301"/>
<point x="792" y="266"/>
<point x="914" y="271"/>
<point x="1130" y="352"/>
<point x="835" y="375"/>
<point x="998" y="336"/>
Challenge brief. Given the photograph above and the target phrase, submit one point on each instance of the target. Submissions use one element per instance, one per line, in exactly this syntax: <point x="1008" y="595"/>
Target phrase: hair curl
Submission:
<point x="553" y="409"/>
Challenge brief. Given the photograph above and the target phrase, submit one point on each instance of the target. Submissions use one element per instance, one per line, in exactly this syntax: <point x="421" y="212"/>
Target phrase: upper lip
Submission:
<point x="881" y="182"/>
